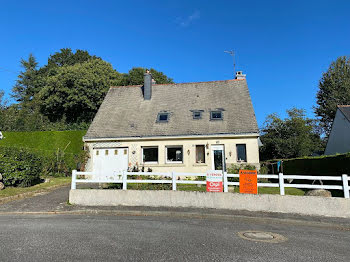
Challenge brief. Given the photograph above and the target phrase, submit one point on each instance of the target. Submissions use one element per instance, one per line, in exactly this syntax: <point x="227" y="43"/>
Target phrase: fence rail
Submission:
<point x="172" y="178"/>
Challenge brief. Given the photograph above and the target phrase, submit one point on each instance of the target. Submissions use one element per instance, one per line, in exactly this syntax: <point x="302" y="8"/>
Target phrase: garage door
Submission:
<point x="110" y="161"/>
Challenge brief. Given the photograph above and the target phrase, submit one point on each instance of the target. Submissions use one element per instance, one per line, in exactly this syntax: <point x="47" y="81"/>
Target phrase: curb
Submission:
<point x="190" y="215"/>
<point x="30" y="194"/>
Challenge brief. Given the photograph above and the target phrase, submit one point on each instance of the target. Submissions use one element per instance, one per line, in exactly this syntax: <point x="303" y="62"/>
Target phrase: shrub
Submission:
<point x="19" y="167"/>
<point x="234" y="169"/>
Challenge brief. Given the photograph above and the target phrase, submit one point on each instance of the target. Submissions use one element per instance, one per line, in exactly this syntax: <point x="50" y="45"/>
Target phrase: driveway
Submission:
<point x="41" y="202"/>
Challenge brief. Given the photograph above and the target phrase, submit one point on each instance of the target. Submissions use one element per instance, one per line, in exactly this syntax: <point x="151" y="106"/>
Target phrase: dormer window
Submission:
<point x="216" y="115"/>
<point x="197" y="114"/>
<point x="163" y="117"/>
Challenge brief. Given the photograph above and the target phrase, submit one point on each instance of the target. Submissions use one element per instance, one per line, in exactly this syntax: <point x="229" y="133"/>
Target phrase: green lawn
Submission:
<point x="261" y="190"/>
<point x="202" y="188"/>
<point x="12" y="191"/>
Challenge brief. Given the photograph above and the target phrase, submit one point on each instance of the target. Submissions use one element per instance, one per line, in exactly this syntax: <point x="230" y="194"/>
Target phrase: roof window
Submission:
<point x="216" y="115"/>
<point x="163" y="117"/>
<point x="197" y="114"/>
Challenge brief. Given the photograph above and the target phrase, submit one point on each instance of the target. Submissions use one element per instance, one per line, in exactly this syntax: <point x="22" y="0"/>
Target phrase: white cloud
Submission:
<point x="184" y="22"/>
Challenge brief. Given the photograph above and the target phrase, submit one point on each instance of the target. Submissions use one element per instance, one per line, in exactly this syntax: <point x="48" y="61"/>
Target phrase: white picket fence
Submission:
<point x="171" y="178"/>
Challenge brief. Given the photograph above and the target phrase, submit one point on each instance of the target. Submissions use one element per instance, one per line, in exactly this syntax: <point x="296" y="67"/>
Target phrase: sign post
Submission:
<point x="214" y="181"/>
<point x="248" y="181"/>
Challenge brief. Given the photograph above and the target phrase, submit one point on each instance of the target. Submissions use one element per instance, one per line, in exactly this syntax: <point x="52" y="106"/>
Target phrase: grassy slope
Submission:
<point x="46" y="140"/>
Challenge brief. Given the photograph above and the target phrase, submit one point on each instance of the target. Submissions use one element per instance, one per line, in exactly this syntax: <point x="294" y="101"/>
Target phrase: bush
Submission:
<point x="19" y="167"/>
<point x="234" y="169"/>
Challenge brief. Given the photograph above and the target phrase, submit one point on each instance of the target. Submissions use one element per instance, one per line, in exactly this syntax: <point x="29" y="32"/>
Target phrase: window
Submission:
<point x="106" y="152"/>
<point x="200" y="154"/>
<point x="216" y="115"/>
<point x="197" y="114"/>
<point x="125" y="151"/>
<point x="116" y="151"/>
<point x="97" y="152"/>
<point x="150" y="154"/>
<point x="163" y="117"/>
<point x="174" y="154"/>
<point x="241" y="153"/>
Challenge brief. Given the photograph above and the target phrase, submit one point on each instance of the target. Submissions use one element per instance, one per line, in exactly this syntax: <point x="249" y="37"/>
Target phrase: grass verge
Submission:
<point x="54" y="181"/>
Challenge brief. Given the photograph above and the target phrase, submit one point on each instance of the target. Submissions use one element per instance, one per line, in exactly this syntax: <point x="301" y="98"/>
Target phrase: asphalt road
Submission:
<point x="153" y="238"/>
<point x="45" y="228"/>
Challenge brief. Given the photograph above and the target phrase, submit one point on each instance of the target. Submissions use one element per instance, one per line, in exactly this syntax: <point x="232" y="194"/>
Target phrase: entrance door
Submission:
<point x="110" y="161"/>
<point x="218" y="157"/>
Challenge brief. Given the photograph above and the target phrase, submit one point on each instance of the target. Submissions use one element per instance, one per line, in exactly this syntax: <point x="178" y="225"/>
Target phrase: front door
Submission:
<point x="218" y="159"/>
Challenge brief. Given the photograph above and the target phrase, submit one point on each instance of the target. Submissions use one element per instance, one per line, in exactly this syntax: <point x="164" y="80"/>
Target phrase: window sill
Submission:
<point x="200" y="164"/>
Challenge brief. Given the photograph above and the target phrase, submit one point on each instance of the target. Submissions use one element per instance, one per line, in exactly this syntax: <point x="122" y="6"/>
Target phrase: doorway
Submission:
<point x="218" y="159"/>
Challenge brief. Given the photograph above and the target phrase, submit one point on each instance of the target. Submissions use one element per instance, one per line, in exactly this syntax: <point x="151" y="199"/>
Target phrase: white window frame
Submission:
<point x="149" y="162"/>
<point x="166" y="155"/>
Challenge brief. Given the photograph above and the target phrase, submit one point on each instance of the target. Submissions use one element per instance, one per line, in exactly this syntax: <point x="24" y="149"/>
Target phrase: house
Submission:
<point x="187" y="127"/>
<point x="339" y="138"/>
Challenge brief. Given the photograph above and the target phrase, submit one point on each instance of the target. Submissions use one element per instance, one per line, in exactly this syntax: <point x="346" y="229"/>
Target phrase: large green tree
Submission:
<point x="294" y="136"/>
<point x="26" y="84"/>
<point x="334" y="89"/>
<point x="135" y="76"/>
<point x="75" y="92"/>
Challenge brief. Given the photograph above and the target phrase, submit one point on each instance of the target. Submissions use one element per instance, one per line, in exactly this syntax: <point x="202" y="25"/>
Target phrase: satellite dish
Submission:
<point x="1" y="136"/>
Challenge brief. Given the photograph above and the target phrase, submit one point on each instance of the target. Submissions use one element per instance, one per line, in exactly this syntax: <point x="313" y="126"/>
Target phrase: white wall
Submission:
<point x="189" y="152"/>
<point x="339" y="138"/>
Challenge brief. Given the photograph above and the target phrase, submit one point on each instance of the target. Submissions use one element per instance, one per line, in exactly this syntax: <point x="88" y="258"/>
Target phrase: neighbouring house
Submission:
<point x="339" y="138"/>
<point x="187" y="127"/>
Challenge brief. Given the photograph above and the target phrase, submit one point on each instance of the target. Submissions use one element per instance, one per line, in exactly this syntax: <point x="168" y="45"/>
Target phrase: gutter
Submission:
<point x="85" y="139"/>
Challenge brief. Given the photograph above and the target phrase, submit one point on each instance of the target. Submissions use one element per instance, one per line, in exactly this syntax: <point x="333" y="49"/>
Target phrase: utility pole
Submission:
<point x="232" y="53"/>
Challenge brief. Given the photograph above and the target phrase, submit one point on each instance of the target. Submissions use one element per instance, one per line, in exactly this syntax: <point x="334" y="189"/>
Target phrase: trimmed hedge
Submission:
<point x="323" y="165"/>
<point x="19" y="167"/>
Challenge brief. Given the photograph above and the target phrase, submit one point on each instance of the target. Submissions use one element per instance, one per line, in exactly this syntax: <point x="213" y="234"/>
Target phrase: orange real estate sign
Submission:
<point x="248" y="181"/>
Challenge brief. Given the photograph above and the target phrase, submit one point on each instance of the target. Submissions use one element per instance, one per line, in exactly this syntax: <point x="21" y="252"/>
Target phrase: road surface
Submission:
<point x="45" y="228"/>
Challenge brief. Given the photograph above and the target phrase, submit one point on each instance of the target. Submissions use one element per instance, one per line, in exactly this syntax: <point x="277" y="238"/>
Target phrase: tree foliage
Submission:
<point x="76" y="92"/>
<point x="26" y="84"/>
<point x="66" y="92"/>
<point x="294" y="136"/>
<point x="135" y="76"/>
<point x="334" y="89"/>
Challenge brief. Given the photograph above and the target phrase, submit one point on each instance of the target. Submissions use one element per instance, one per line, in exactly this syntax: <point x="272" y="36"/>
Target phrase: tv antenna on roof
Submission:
<point x="232" y="53"/>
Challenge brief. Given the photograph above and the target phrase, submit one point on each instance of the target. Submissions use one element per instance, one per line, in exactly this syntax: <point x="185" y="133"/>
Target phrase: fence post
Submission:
<point x="74" y="179"/>
<point x="225" y="182"/>
<point x="346" y="185"/>
<point x="125" y="186"/>
<point x="281" y="182"/>
<point x="173" y="176"/>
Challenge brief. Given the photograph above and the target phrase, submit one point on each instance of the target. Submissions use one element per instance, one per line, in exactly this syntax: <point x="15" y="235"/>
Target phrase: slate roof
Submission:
<point x="124" y="112"/>
<point x="345" y="109"/>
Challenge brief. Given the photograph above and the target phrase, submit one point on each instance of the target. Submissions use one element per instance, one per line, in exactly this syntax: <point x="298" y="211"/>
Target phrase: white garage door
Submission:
<point x="110" y="161"/>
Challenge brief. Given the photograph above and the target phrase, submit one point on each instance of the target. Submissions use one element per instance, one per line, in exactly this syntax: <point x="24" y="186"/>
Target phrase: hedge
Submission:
<point x="19" y="167"/>
<point x="323" y="165"/>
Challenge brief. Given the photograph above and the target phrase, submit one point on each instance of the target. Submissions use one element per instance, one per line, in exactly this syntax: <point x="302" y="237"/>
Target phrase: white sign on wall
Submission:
<point x="214" y="181"/>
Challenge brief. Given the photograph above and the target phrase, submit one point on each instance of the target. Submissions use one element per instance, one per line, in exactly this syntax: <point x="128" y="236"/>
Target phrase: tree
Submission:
<point x="76" y="92"/>
<point x="25" y="86"/>
<point x="334" y="89"/>
<point x="67" y="57"/>
<point x="135" y="76"/>
<point x="294" y="136"/>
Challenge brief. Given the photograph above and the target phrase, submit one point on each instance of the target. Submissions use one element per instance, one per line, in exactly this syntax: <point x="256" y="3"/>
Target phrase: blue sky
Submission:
<point x="282" y="46"/>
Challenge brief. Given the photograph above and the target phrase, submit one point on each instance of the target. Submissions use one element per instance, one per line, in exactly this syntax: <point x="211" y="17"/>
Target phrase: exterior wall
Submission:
<point x="189" y="152"/>
<point x="339" y="138"/>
